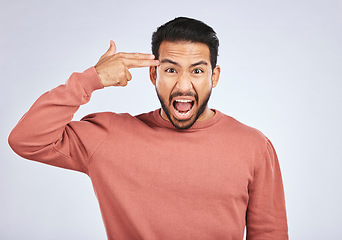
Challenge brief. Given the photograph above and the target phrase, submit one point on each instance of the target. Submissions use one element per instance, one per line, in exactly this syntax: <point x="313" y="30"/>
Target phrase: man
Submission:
<point x="184" y="171"/>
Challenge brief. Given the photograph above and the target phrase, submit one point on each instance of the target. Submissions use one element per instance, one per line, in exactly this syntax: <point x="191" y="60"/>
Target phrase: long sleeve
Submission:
<point x="46" y="134"/>
<point x="266" y="214"/>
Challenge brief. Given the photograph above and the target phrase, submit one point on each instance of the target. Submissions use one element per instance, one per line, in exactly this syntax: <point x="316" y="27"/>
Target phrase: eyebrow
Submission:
<point x="166" y="60"/>
<point x="199" y="63"/>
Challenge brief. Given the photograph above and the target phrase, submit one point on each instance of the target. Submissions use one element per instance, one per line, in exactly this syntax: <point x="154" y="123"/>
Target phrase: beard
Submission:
<point x="184" y="124"/>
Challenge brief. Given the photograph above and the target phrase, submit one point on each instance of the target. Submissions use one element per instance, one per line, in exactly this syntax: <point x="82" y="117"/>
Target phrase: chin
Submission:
<point x="182" y="124"/>
<point x="184" y="120"/>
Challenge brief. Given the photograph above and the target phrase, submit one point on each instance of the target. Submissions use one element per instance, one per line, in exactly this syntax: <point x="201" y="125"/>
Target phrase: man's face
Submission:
<point x="183" y="81"/>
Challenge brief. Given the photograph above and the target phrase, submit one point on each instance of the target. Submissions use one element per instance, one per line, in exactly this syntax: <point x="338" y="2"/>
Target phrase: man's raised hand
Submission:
<point x="112" y="68"/>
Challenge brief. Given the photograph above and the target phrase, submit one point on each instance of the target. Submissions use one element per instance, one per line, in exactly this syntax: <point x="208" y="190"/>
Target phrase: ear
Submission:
<point x="216" y="75"/>
<point x="153" y="74"/>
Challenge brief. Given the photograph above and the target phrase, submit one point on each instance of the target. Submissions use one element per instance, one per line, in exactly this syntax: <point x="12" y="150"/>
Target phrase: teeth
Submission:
<point x="183" y="100"/>
<point x="182" y="114"/>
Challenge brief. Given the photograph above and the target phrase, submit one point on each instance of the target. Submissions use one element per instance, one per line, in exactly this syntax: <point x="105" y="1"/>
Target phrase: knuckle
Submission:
<point x="122" y="60"/>
<point x="122" y="75"/>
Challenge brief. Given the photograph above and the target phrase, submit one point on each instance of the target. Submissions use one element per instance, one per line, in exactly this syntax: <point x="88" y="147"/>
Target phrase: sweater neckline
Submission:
<point x="197" y="125"/>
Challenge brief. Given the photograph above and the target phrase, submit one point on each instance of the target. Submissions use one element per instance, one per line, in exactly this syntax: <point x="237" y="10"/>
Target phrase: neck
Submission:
<point x="207" y="114"/>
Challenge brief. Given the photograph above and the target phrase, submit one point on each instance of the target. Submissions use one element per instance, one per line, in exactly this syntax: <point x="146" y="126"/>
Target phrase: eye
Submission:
<point x="197" y="71"/>
<point x="170" y="70"/>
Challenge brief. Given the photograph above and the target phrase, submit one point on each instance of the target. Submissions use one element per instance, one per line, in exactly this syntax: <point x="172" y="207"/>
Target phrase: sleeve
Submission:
<point x="46" y="133"/>
<point x="266" y="214"/>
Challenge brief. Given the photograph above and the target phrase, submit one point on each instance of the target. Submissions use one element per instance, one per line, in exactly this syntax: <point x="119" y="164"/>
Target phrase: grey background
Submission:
<point x="281" y="73"/>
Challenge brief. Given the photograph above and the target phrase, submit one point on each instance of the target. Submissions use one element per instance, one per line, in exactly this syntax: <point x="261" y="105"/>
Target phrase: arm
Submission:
<point x="46" y="134"/>
<point x="266" y="213"/>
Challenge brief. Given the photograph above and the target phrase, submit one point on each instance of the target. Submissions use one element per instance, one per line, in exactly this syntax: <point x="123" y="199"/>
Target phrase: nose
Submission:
<point x="184" y="83"/>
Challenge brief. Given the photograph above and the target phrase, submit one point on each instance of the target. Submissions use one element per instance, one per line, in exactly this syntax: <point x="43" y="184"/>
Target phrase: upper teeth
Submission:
<point x="183" y="100"/>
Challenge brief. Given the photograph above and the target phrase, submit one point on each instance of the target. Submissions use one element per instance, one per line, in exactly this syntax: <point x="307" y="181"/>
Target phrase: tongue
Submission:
<point x="183" y="106"/>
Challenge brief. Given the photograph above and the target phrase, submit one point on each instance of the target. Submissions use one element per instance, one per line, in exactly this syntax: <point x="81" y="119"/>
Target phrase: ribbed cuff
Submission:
<point x="90" y="80"/>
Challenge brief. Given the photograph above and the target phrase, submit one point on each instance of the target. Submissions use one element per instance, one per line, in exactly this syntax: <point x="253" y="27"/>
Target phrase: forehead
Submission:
<point x="184" y="51"/>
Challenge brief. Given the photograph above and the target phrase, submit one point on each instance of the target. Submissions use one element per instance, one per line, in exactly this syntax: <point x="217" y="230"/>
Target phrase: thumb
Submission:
<point x="112" y="49"/>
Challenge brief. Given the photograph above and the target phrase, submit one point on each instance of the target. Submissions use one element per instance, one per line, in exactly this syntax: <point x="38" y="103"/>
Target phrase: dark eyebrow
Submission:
<point x="166" y="60"/>
<point x="199" y="63"/>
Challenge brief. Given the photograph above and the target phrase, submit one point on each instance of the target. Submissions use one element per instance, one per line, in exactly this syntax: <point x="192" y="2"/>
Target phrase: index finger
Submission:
<point x="137" y="55"/>
<point x="138" y="62"/>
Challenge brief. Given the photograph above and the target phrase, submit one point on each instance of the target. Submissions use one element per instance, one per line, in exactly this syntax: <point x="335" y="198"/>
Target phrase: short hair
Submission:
<point x="188" y="30"/>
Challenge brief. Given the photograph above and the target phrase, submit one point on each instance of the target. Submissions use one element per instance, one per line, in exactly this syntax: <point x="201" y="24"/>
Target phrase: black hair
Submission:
<point x="188" y="30"/>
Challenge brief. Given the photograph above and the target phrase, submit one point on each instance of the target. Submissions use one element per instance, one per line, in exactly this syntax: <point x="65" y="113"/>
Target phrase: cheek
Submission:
<point x="203" y="87"/>
<point x="163" y="88"/>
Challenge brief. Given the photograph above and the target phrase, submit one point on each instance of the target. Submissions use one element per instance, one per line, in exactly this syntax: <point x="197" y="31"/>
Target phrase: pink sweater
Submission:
<point x="154" y="181"/>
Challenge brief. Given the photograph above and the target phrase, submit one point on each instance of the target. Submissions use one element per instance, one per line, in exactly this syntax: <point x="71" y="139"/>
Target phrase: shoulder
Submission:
<point x="100" y="118"/>
<point x="232" y="124"/>
<point x="147" y="118"/>
<point x="242" y="132"/>
<point x="120" y="119"/>
<point x="248" y="139"/>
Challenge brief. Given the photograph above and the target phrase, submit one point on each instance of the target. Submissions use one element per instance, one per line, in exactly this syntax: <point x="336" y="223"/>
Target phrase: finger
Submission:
<point x="137" y="63"/>
<point x="112" y="49"/>
<point x="137" y="55"/>
<point x="128" y="75"/>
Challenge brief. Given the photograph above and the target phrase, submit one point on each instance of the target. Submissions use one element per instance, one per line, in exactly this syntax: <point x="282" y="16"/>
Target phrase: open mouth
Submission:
<point x="183" y="108"/>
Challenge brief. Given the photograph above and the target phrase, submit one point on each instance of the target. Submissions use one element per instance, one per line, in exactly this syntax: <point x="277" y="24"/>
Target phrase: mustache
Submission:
<point x="181" y="94"/>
